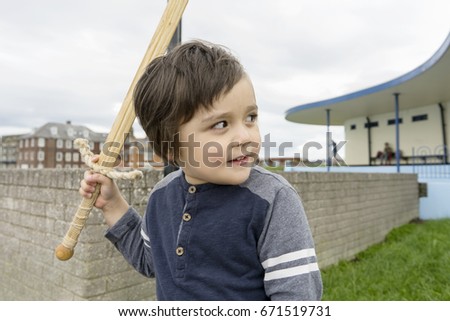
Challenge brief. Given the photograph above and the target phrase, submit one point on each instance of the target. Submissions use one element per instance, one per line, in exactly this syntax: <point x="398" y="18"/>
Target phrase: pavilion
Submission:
<point x="410" y="112"/>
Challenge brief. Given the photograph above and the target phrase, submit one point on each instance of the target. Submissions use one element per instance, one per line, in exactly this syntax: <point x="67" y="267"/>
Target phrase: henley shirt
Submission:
<point x="223" y="242"/>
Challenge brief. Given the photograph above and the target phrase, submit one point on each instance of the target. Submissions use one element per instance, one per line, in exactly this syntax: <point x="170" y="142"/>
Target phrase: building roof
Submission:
<point x="66" y="131"/>
<point x="426" y="85"/>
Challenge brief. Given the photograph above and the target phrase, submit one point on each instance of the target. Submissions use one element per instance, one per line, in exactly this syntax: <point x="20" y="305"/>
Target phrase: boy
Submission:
<point x="220" y="228"/>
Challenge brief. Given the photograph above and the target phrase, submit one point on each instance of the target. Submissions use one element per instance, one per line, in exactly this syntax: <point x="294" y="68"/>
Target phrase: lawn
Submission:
<point x="413" y="263"/>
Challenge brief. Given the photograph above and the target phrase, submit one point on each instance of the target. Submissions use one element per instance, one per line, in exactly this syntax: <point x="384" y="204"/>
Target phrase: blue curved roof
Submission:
<point x="426" y="85"/>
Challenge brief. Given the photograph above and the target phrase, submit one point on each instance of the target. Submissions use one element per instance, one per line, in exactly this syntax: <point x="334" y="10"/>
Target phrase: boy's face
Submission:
<point x="220" y="145"/>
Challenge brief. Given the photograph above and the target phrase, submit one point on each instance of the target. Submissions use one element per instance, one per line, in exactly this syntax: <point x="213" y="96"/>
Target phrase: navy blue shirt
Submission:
<point x="223" y="242"/>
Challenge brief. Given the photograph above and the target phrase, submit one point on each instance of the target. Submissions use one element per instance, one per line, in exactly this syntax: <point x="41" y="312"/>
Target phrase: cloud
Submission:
<point x="75" y="61"/>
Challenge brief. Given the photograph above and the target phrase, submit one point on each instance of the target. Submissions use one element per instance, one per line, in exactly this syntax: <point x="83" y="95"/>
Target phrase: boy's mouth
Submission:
<point x="240" y="160"/>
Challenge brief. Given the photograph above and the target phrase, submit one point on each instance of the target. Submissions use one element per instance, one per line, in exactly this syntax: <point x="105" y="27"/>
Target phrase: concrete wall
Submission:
<point x="36" y="208"/>
<point x="347" y="212"/>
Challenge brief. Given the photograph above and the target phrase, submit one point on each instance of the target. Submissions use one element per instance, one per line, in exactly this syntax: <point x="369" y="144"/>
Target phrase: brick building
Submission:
<point x="51" y="146"/>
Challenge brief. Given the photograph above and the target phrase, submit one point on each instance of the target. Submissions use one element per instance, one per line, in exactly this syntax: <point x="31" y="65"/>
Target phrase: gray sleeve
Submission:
<point x="287" y="253"/>
<point x="130" y="238"/>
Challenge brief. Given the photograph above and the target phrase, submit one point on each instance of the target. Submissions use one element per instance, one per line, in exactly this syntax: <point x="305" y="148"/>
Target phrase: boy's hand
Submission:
<point x="110" y="200"/>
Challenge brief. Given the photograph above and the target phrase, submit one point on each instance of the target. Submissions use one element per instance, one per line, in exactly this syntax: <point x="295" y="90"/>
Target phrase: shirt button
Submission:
<point x="187" y="217"/>
<point x="180" y="251"/>
<point x="192" y="189"/>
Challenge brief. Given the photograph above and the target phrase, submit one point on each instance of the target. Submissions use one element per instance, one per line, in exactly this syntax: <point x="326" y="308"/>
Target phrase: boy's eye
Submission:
<point x="220" y="125"/>
<point x="252" y="118"/>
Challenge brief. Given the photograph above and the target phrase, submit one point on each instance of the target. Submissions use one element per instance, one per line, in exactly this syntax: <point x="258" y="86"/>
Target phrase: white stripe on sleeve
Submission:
<point x="289" y="257"/>
<point x="289" y="272"/>
<point x="146" y="238"/>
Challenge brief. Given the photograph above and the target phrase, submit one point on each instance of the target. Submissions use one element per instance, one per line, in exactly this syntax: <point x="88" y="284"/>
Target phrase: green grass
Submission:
<point x="413" y="264"/>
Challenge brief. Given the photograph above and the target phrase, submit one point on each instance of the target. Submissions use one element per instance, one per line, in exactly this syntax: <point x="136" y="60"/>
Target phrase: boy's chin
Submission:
<point x="234" y="178"/>
<point x="219" y="177"/>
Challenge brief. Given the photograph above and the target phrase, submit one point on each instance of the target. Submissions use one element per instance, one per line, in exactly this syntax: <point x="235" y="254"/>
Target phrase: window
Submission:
<point x="76" y="157"/>
<point x="59" y="156"/>
<point x="41" y="155"/>
<point x="54" y="130"/>
<point x="392" y="121"/>
<point x="59" y="143"/>
<point x="420" y="117"/>
<point x="41" y="142"/>
<point x="353" y="127"/>
<point x="68" y="144"/>
<point x="371" y="124"/>
<point x="68" y="157"/>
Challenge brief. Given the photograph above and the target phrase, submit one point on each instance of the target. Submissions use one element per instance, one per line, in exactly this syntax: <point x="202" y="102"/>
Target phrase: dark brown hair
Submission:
<point x="173" y="87"/>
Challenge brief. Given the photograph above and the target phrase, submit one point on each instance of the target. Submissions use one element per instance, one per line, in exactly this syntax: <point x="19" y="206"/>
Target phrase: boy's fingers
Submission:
<point x="84" y="193"/>
<point x="89" y="179"/>
<point x="93" y="179"/>
<point x="100" y="178"/>
<point x="86" y="187"/>
<point x="87" y="174"/>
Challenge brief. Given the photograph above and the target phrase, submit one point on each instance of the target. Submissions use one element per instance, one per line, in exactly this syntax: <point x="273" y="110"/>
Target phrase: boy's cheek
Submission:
<point x="213" y="160"/>
<point x="251" y="148"/>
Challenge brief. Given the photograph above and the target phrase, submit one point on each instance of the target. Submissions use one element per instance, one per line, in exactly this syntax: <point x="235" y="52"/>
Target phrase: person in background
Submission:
<point x="388" y="154"/>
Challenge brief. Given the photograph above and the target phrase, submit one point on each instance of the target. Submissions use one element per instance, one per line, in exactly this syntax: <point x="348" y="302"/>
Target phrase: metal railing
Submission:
<point x="437" y="171"/>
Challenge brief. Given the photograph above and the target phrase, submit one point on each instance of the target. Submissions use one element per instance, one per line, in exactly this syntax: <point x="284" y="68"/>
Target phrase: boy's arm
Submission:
<point x="123" y="221"/>
<point x="287" y="253"/>
<point x="129" y="236"/>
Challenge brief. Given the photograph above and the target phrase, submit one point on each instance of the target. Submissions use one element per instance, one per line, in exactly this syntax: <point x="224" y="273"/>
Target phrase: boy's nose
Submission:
<point x="243" y="135"/>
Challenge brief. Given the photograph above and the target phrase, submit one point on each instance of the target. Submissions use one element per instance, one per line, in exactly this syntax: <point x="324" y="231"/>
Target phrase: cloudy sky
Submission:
<point x="74" y="60"/>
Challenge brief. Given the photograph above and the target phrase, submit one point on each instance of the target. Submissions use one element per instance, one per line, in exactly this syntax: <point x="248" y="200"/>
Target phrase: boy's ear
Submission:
<point x="170" y="157"/>
<point x="157" y="158"/>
